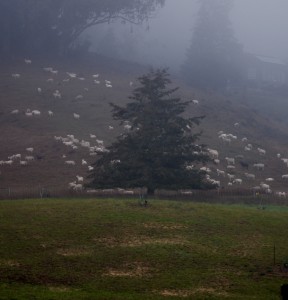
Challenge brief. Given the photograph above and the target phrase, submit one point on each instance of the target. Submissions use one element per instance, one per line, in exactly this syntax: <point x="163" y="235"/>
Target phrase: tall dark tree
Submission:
<point x="214" y="59"/>
<point x="55" y="25"/>
<point x="159" y="149"/>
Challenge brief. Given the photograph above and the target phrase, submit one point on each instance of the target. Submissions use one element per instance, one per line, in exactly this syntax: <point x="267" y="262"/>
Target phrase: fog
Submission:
<point x="259" y="25"/>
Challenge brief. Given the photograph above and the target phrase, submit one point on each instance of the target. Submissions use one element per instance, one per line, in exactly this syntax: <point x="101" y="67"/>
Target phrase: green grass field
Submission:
<point x="118" y="249"/>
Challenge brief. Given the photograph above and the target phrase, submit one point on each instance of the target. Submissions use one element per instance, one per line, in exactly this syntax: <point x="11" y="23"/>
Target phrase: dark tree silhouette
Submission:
<point x="159" y="149"/>
<point x="214" y="59"/>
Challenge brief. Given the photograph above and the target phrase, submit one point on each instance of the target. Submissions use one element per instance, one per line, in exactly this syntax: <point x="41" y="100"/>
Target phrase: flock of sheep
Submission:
<point x="229" y="175"/>
<point x="93" y="145"/>
<point x="236" y="177"/>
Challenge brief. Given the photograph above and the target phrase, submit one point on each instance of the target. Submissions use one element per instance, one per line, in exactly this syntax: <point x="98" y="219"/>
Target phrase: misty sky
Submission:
<point x="259" y="25"/>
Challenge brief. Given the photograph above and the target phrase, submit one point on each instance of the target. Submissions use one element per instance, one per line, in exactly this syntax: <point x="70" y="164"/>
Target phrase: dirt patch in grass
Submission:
<point x="139" y="241"/>
<point x="135" y="269"/>
<point x="164" y="226"/>
<point x="189" y="293"/>
<point x="74" y="251"/>
<point x="59" y="289"/>
<point x="9" y="263"/>
<point x="248" y="246"/>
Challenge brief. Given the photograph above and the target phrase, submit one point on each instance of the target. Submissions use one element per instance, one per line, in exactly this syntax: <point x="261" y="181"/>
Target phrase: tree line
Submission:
<point x="54" y="26"/>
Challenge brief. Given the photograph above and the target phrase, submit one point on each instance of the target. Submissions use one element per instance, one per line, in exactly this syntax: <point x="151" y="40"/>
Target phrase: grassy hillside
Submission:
<point x="18" y="132"/>
<point x="117" y="249"/>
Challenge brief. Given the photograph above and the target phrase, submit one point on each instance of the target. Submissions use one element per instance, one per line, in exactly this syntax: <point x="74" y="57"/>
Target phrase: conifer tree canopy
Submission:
<point x="160" y="147"/>
<point x="215" y="58"/>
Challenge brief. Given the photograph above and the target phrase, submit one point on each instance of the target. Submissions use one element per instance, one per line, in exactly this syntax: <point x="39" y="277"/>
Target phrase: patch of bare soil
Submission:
<point x="139" y="241"/>
<point x="59" y="289"/>
<point x="74" y="251"/>
<point x="189" y="293"/>
<point x="135" y="269"/>
<point x="9" y="263"/>
<point x="164" y="226"/>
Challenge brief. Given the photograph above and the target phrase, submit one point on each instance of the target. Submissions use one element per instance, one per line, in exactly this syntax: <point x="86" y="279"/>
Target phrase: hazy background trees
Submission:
<point x="214" y="59"/>
<point x="32" y="26"/>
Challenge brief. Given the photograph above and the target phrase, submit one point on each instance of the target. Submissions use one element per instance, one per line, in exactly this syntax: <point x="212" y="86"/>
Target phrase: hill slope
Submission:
<point x="89" y="97"/>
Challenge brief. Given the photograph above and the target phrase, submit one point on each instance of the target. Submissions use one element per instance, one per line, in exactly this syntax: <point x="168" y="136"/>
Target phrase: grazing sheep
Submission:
<point x="15" y="112"/>
<point x="264" y="186"/>
<point x="230" y="160"/>
<point x="84" y="162"/>
<point x="29" y="157"/>
<point x="259" y="166"/>
<point x="261" y="151"/>
<point x="80" y="178"/>
<point x="36" y="112"/>
<point x="213" y="154"/>
<point x="57" y="94"/>
<point x="70" y="162"/>
<point x="195" y="101"/>
<point x="90" y="168"/>
<point x="238" y="181"/>
<point x="285" y="176"/>
<point x="281" y="194"/>
<point x="230" y="176"/>
<point x="220" y="172"/>
<point x="76" y="116"/>
<point x="249" y="176"/>
<point x="50" y="113"/>
<point x="30" y="149"/>
<point x="16" y="76"/>
<point x="269" y="179"/>
<point x="28" y="61"/>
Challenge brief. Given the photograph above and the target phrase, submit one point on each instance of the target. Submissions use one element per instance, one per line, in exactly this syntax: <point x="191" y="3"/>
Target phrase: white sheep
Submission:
<point x="30" y="149"/>
<point x="213" y="154"/>
<point x="195" y="101"/>
<point x="261" y="151"/>
<point x="281" y="194"/>
<point x="50" y="113"/>
<point x="259" y="166"/>
<point x="15" y="112"/>
<point x="57" y="94"/>
<point x="70" y="162"/>
<point x="238" y="181"/>
<point x="285" y="176"/>
<point x="220" y="172"/>
<point x="250" y="176"/>
<point x="264" y="186"/>
<point x="90" y="168"/>
<point x="76" y="116"/>
<point x="230" y="160"/>
<point x="79" y="178"/>
<point x="36" y="112"/>
<point x="84" y="162"/>
<point x="29" y="157"/>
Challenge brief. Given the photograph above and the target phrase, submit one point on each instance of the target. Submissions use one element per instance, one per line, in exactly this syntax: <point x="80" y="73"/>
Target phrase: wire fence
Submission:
<point x="231" y="196"/>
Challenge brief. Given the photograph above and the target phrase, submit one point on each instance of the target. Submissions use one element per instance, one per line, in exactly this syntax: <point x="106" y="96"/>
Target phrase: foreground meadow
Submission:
<point x="118" y="249"/>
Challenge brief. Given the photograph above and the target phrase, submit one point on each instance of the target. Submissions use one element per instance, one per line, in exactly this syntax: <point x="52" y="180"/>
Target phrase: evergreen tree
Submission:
<point x="159" y="149"/>
<point x="215" y="58"/>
